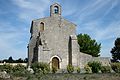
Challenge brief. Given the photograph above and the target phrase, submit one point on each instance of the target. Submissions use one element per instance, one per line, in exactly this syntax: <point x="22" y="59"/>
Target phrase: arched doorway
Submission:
<point x="55" y="62"/>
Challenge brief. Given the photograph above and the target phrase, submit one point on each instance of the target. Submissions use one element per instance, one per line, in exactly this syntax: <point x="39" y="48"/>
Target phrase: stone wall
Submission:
<point x="104" y="60"/>
<point x="24" y="64"/>
<point x="57" y="39"/>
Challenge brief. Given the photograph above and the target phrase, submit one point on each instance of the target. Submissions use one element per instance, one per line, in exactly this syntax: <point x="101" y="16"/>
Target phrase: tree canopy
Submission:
<point x="11" y="60"/>
<point x="88" y="45"/>
<point x="116" y="51"/>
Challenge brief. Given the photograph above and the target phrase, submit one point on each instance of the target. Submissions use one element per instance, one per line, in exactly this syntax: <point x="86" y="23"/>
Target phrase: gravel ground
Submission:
<point x="108" y="76"/>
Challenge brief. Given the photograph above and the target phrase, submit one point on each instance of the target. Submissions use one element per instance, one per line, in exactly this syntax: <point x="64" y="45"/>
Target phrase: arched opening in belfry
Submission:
<point x="55" y="62"/>
<point x="56" y="9"/>
<point x="41" y="26"/>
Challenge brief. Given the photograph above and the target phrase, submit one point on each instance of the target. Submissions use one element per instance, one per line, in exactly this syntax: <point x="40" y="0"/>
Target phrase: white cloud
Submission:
<point x="12" y="40"/>
<point x="94" y="10"/>
<point x="101" y="32"/>
<point x="31" y="9"/>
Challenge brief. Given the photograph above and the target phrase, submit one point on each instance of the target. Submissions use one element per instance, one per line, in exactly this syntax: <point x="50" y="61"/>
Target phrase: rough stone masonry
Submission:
<point x="53" y="40"/>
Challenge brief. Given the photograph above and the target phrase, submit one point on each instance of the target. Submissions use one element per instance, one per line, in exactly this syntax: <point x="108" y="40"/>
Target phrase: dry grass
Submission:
<point x="108" y="76"/>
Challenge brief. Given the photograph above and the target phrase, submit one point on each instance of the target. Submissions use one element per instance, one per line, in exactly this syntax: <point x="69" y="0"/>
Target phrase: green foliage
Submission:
<point x="7" y="67"/>
<point x="105" y="69"/>
<point x="54" y="69"/>
<point x="87" y="69"/>
<point x="116" y="67"/>
<point x="116" y="51"/>
<point x="19" y="67"/>
<point x="11" y="60"/>
<point x="78" y="69"/>
<point x="70" y="68"/>
<point x="88" y="45"/>
<point x="31" y="77"/>
<point x="95" y="66"/>
<point x="19" y="70"/>
<point x="40" y="67"/>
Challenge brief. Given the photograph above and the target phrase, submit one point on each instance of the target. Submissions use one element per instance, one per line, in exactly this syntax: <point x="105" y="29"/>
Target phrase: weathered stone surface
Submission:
<point x="56" y="37"/>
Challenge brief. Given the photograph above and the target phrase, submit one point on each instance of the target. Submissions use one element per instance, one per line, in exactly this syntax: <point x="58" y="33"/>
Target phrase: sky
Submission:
<point x="98" y="18"/>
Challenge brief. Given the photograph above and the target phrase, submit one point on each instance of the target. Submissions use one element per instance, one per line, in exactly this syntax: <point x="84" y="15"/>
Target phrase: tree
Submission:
<point x="116" y="51"/>
<point x="25" y="60"/>
<point x="19" y="60"/>
<point x="88" y="45"/>
<point x="10" y="59"/>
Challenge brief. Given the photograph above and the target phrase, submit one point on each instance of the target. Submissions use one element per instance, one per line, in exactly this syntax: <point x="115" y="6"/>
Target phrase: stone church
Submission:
<point x="53" y="40"/>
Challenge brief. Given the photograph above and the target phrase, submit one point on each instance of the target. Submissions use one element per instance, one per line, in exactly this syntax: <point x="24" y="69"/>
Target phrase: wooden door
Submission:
<point x="55" y="62"/>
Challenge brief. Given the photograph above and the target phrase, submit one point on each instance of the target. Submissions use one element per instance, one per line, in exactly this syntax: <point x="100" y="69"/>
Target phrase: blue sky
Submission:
<point x="98" y="18"/>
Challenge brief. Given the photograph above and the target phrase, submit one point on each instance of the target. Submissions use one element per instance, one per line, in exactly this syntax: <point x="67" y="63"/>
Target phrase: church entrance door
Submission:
<point x="55" y="62"/>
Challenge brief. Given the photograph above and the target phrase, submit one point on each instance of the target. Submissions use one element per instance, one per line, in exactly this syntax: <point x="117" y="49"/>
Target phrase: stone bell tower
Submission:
<point x="55" y="10"/>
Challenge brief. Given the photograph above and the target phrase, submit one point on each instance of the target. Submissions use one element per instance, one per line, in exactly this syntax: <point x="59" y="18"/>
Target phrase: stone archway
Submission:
<point x="55" y="62"/>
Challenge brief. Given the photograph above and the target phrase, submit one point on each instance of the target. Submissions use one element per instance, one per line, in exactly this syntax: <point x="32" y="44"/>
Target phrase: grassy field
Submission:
<point x="108" y="76"/>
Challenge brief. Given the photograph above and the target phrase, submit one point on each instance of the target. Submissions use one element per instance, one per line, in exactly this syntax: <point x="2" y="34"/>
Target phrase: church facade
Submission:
<point x="53" y="40"/>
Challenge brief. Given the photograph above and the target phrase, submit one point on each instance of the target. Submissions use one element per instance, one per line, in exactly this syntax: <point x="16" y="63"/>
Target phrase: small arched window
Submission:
<point x="41" y="26"/>
<point x="56" y="9"/>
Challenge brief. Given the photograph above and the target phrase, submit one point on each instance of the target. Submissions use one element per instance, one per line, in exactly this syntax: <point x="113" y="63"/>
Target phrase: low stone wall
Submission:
<point x="24" y="64"/>
<point x="85" y="58"/>
<point x="105" y="61"/>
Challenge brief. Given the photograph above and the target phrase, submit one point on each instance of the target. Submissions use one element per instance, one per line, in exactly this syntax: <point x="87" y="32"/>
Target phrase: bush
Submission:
<point x="19" y="67"/>
<point x="39" y="67"/>
<point x="19" y="70"/>
<point x="1" y="67"/>
<point x="7" y="67"/>
<point x="116" y="67"/>
<point x="54" y="69"/>
<point x="95" y="66"/>
<point x="87" y="69"/>
<point x="70" y="68"/>
<point x="78" y="69"/>
<point x="105" y="69"/>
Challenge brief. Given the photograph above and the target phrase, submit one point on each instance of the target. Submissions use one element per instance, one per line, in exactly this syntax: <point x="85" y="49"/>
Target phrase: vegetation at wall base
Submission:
<point x="95" y="66"/>
<point x="87" y="69"/>
<point x="39" y="67"/>
<point x="78" y="69"/>
<point x="106" y="69"/>
<point x="116" y="67"/>
<point x="7" y="67"/>
<point x="21" y="71"/>
<point x="70" y="68"/>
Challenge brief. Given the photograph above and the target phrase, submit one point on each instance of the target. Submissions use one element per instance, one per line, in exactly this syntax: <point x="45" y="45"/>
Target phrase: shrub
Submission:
<point x="116" y="67"/>
<point x="78" y="69"/>
<point x="87" y="69"/>
<point x="1" y="67"/>
<point x="7" y="67"/>
<point x="54" y="69"/>
<point x="105" y="69"/>
<point x="95" y="66"/>
<point x="31" y="77"/>
<point x="19" y="67"/>
<point x="70" y="68"/>
<point x="19" y="70"/>
<point x="40" y="67"/>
